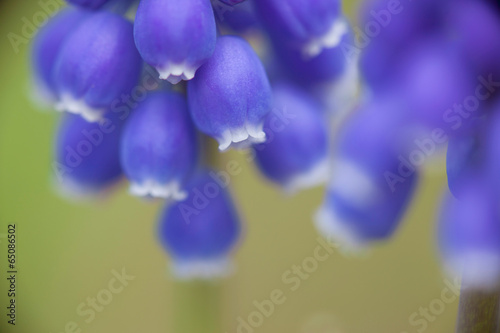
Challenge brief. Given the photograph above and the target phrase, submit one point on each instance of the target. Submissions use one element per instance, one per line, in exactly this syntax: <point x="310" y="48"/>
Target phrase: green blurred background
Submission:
<point x="67" y="250"/>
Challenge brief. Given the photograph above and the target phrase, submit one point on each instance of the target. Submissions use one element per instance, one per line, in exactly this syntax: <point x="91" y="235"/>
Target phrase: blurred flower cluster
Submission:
<point x="431" y="71"/>
<point x="278" y="77"/>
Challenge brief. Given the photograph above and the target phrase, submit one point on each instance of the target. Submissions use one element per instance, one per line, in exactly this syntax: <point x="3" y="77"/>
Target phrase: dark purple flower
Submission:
<point x="326" y="66"/>
<point x="46" y="47"/>
<point x="295" y="155"/>
<point x="200" y="232"/>
<point x="159" y="146"/>
<point x="231" y="95"/>
<point x="87" y="154"/>
<point x="308" y="26"/>
<point x="469" y="234"/>
<point x="370" y="189"/>
<point x="97" y="65"/>
<point x="175" y="37"/>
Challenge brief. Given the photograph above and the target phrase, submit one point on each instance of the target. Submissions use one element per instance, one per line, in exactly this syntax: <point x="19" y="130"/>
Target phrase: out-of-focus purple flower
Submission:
<point x="201" y="232"/>
<point x="327" y="66"/>
<point x="475" y="152"/>
<point x="379" y="63"/>
<point x="466" y="155"/>
<point x="89" y="4"/>
<point x="175" y="37"/>
<point x="87" y="154"/>
<point x="159" y="146"/>
<point x="371" y="185"/>
<point x="491" y="150"/>
<point x="475" y="26"/>
<point x="96" y="65"/>
<point x="390" y="30"/>
<point x="469" y="235"/>
<point x="231" y="95"/>
<point x="435" y="79"/>
<point x="295" y="156"/>
<point x="399" y="22"/>
<point x="239" y="18"/>
<point x="308" y="26"/>
<point x="46" y="46"/>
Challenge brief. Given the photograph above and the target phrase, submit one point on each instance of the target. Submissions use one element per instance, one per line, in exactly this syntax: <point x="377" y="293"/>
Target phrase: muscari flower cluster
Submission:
<point x="144" y="85"/>
<point x="274" y="77"/>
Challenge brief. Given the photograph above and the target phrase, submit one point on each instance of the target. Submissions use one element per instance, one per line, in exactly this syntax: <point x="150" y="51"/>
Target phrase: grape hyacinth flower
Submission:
<point x="239" y="18"/>
<point x="469" y="234"/>
<point x="327" y="66"/>
<point x="87" y="154"/>
<point x="231" y="95"/>
<point x="46" y="46"/>
<point x="295" y="156"/>
<point x="399" y="24"/>
<point x="159" y="146"/>
<point x="175" y="37"/>
<point x="89" y="4"/>
<point x="200" y="232"/>
<point x="96" y="65"/>
<point x="367" y="195"/>
<point x="490" y="140"/>
<point x="465" y="156"/>
<point x="434" y="80"/>
<point x="392" y="32"/>
<point x="477" y="26"/>
<point x="308" y="26"/>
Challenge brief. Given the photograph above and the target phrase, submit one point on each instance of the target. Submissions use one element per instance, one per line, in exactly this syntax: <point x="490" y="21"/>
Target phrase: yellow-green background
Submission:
<point x="66" y="250"/>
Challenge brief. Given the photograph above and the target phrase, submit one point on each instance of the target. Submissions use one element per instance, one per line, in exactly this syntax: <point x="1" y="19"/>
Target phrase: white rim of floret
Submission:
<point x="477" y="269"/>
<point x="336" y="229"/>
<point x="202" y="269"/>
<point x="353" y="183"/>
<point x="342" y="95"/>
<point x="242" y="137"/>
<point x="175" y="73"/>
<point x="68" y="103"/>
<point x="41" y="95"/>
<point x="330" y="39"/>
<point x="78" y="192"/>
<point x="316" y="175"/>
<point x="153" y="189"/>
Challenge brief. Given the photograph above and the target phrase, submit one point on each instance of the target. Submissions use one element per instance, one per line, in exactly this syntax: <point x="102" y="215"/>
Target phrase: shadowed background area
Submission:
<point x="70" y="251"/>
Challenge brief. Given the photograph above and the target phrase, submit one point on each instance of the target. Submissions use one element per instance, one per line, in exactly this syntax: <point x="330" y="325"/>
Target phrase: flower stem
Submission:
<point x="478" y="312"/>
<point x="197" y="307"/>
<point x="197" y="303"/>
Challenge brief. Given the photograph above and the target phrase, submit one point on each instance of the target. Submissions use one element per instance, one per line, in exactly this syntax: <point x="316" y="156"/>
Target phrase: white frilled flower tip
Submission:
<point x="77" y="192"/>
<point x="334" y="228"/>
<point x="242" y="138"/>
<point x="152" y="189"/>
<point x="329" y="40"/>
<point x="68" y="103"/>
<point x="202" y="269"/>
<point x="353" y="183"/>
<point x="341" y="95"/>
<point x="175" y="73"/>
<point x="72" y="191"/>
<point x="41" y="96"/>
<point x="478" y="270"/>
<point x="317" y="175"/>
